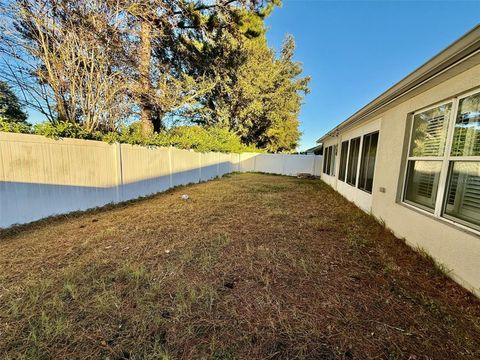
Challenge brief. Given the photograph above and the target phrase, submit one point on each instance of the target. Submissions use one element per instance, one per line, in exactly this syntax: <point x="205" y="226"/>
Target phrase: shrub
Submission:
<point x="65" y="130"/>
<point x="183" y="137"/>
<point x="14" y="127"/>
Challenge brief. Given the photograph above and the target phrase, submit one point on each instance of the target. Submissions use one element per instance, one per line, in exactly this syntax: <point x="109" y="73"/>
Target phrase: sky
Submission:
<point x="355" y="50"/>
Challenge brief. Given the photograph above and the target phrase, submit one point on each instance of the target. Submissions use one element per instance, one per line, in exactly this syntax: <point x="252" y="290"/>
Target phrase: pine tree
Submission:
<point x="10" y="108"/>
<point x="256" y="94"/>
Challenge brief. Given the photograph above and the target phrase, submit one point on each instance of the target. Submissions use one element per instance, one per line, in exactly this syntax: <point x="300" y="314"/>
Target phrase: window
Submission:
<point x="343" y="161"/>
<point x="422" y="183"/>
<point x="333" y="156"/>
<point x="466" y="138"/>
<point x="367" y="165"/>
<point x="427" y="147"/>
<point x="325" y="160"/>
<point x="329" y="160"/>
<point x="443" y="165"/>
<point x="353" y="161"/>
<point x="463" y="192"/>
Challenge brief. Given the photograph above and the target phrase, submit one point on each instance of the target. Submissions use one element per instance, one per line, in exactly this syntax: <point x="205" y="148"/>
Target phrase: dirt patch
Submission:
<point x="254" y="266"/>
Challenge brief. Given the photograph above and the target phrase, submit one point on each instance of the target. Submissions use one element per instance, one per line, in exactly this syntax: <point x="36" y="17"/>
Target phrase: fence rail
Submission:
<point x="41" y="177"/>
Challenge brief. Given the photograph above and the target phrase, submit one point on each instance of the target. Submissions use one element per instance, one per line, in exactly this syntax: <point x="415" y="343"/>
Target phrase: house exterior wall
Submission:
<point x="453" y="245"/>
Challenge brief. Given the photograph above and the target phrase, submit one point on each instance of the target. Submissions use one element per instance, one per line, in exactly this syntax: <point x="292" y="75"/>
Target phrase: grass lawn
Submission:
<point x="251" y="267"/>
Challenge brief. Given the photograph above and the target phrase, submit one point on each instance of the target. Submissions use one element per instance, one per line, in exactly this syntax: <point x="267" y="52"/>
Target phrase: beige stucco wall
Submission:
<point x="458" y="249"/>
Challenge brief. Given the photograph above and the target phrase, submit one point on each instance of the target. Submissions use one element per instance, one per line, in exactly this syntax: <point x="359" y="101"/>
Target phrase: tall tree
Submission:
<point x="100" y="62"/>
<point x="10" y="108"/>
<point x="169" y="33"/>
<point x="256" y="94"/>
<point x="69" y="49"/>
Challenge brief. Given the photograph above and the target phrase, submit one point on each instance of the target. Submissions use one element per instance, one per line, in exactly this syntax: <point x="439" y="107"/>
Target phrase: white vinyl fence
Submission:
<point x="41" y="177"/>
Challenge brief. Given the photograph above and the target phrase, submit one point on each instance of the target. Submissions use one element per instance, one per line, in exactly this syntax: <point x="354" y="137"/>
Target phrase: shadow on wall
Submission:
<point x="42" y="177"/>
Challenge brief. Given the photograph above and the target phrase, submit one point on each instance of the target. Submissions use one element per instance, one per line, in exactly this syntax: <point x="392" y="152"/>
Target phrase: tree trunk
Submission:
<point x="144" y="72"/>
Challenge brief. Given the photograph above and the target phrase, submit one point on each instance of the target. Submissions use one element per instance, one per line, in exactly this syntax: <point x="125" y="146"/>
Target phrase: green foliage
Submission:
<point x="205" y="139"/>
<point x="65" y="129"/>
<point x="257" y="94"/>
<point x="183" y="137"/>
<point x="7" y="125"/>
<point x="10" y="108"/>
<point x="205" y="62"/>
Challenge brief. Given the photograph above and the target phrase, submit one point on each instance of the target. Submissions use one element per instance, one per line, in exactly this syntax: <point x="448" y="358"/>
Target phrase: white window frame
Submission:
<point x="446" y="159"/>
<point x="360" y="160"/>
<point x="346" y="161"/>
<point x="330" y="160"/>
<point x="360" y="147"/>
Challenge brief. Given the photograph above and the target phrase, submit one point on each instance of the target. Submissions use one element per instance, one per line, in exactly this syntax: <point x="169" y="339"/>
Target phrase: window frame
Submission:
<point x="333" y="160"/>
<point x="356" y="170"/>
<point x="329" y="160"/>
<point x="359" y="175"/>
<point x="326" y="158"/>
<point x="344" y="180"/>
<point x="446" y="159"/>
<point x="444" y="205"/>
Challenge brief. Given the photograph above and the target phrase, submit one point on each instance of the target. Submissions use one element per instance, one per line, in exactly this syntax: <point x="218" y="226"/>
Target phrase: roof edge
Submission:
<point x="462" y="48"/>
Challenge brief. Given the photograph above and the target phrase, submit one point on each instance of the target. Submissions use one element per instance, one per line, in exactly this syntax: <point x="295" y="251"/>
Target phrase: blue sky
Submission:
<point x="355" y="50"/>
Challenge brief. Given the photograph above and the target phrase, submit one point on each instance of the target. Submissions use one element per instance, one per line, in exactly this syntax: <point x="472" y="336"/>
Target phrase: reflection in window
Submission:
<point x="466" y="138"/>
<point x="429" y="131"/>
<point x="463" y="191"/>
<point x="353" y="161"/>
<point x="460" y="167"/>
<point x="367" y="166"/>
<point x="329" y="160"/>
<point x="333" y="155"/>
<point x="326" y="157"/>
<point x="343" y="161"/>
<point x="422" y="183"/>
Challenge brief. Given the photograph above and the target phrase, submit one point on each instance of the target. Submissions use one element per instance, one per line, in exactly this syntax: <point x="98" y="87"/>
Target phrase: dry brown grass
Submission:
<point x="253" y="267"/>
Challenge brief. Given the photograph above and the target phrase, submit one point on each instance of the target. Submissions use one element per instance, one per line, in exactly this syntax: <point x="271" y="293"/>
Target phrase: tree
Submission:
<point x="63" y="59"/>
<point x="169" y="32"/>
<point x="10" y="108"/>
<point x="256" y="94"/>
<point x="100" y="63"/>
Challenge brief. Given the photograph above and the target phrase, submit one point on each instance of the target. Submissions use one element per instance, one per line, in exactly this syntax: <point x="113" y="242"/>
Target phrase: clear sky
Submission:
<point x="355" y="50"/>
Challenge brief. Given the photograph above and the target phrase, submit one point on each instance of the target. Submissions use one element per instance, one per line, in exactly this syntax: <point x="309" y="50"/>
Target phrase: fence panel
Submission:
<point x="247" y="162"/>
<point x="296" y="164"/>
<point x="185" y="166"/>
<point x="144" y="171"/>
<point x="270" y="163"/>
<point x="41" y="177"/>
<point x="224" y="164"/>
<point x="209" y="168"/>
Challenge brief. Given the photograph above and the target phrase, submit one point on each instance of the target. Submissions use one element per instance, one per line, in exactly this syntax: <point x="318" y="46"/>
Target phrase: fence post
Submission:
<point x="119" y="171"/>
<point x="313" y="167"/>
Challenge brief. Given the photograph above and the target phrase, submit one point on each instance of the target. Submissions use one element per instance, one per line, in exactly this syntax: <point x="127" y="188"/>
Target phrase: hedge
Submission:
<point x="183" y="137"/>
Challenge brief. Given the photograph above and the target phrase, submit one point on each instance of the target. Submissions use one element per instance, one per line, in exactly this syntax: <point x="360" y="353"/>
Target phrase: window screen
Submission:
<point x="353" y="161"/>
<point x="343" y="161"/>
<point x="367" y="165"/>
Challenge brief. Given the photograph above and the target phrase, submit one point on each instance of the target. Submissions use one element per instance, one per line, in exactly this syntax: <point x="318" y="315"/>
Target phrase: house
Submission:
<point x="316" y="150"/>
<point x="411" y="158"/>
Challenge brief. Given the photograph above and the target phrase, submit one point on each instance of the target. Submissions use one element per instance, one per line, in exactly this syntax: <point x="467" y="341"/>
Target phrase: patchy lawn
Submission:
<point x="252" y="267"/>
